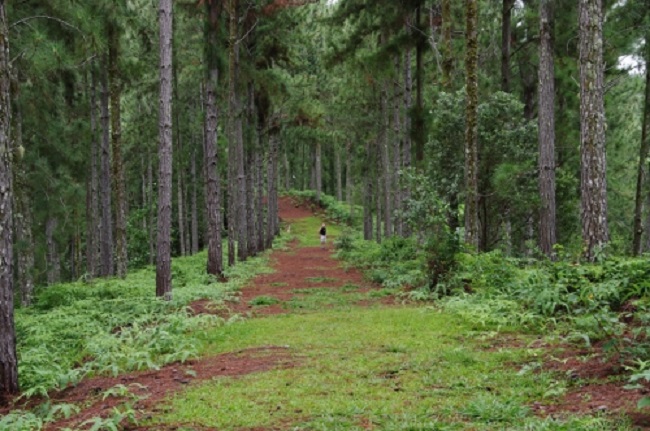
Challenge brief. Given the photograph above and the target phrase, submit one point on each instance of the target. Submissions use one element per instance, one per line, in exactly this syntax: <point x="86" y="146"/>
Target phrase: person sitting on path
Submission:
<point x="323" y="235"/>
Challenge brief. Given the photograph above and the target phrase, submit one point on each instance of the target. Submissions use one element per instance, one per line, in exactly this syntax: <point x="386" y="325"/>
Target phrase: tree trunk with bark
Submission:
<point x="471" y="130"/>
<point x="384" y="152"/>
<point x="339" y="173"/>
<point x="546" y="130"/>
<point x="397" y="149"/>
<point x="92" y="247"/>
<point x="272" y="184"/>
<point x="506" y="36"/>
<point x="194" y="225"/>
<point x="52" y="251"/>
<point x="163" y="242"/>
<point x="348" y="173"/>
<point x="637" y="248"/>
<point x="210" y="148"/>
<point x="593" y="166"/>
<point x="106" y="230"/>
<point x="8" y="358"/>
<point x="180" y="189"/>
<point x="119" y="188"/>
<point x="318" y="171"/>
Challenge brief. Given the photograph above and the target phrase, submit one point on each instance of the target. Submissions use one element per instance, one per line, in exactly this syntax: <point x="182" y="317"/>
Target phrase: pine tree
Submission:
<point x="8" y="359"/>
<point x="593" y="165"/>
<point x="547" y="129"/>
<point x="163" y="243"/>
<point x="471" y="128"/>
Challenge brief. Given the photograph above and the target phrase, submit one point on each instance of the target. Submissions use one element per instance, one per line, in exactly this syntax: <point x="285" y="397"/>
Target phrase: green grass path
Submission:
<point x="390" y="368"/>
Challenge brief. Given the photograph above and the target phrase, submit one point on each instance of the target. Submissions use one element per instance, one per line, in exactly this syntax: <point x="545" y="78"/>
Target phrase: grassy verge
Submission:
<point x="389" y="369"/>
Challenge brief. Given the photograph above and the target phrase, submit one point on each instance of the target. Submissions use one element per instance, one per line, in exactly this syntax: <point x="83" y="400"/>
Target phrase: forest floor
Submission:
<point x="314" y="345"/>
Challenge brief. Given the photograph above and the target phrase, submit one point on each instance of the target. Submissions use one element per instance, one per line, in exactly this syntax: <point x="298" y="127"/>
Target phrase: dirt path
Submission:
<point x="295" y="270"/>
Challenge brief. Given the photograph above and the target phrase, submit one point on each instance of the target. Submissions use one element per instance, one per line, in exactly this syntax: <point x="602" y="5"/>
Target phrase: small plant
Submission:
<point x="263" y="301"/>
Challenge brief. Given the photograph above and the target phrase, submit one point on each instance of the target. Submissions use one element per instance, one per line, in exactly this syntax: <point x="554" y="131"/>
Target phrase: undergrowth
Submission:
<point x="110" y="326"/>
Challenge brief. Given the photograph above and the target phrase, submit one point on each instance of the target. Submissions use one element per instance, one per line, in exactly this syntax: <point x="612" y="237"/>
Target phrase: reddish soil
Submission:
<point x="599" y="386"/>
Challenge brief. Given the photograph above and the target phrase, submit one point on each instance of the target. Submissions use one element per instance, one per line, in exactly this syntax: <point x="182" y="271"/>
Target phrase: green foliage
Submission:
<point x="263" y="300"/>
<point x="335" y="210"/>
<point x="112" y="326"/>
<point x="395" y="263"/>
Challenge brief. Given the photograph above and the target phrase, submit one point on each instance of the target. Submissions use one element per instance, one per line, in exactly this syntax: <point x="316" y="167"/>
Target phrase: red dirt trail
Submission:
<point x="294" y="268"/>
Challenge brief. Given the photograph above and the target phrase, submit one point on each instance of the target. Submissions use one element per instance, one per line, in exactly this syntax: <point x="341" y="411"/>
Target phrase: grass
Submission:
<point x="361" y="366"/>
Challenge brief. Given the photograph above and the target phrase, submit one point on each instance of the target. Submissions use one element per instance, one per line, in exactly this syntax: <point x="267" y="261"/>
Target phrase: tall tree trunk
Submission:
<point x="180" y="204"/>
<point x="233" y="164"/>
<point x="92" y="248"/>
<point x="250" y="209"/>
<point x="272" y="184"/>
<point x="194" y="226"/>
<point x="546" y="129"/>
<point x="368" y="179"/>
<point x="163" y="242"/>
<point x="471" y="131"/>
<point x="447" y="54"/>
<point x="348" y="173"/>
<point x="397" y="149"/>
<point x="52" y="251"/>
<point x="106" y="231"/>
<point x="318" y="171"/>
<point x="506" y="35"/>
<point x="259" y="180"/>
<point x="418" y="123"/>
<point x="408" y="129"/>
<point x="378" y="191"/>
<point x="339" y="173"/>
<point x="119" y="189"/>
<point x="643" y="153"/>
<point x="384" y="145"/>
<point x="593" y="166"/>
<point x="210" y="147"/>
<point x="8" y="358"/>
<point x="151" y="213"/>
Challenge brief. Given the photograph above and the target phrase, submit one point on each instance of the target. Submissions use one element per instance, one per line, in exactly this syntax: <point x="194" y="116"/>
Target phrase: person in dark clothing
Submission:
<point x="323" y="235"/>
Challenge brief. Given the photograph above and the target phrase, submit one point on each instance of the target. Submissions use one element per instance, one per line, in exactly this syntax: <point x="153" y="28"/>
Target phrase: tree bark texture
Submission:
<point x="233" y="165"/>
<point x="318" y="171"/>
<point x="272" y="184"/>
<point x="384" y="152"/>
<point x="637" y="248"/>
<point x="92" y="247"/>
<point x="408" y="129"/>
<point x="210" y="147"/>
<point x="367" y="194"/>
<point x="8" y="358"/>
<point x="106" y="230"/>
<point x="151" y="213"/>
<point x="593" y="166"/>
<point x="348" y="173"/>
<point x="546" y="130"/>
<point x="163" y="242"/>
<point x="506" y="36"/>
<point x="397" y="149"/>
<point x="418" y="123"/>
<point x="119" y="188"/>
<point x="180" y="178"/>
<point x="52" y="252"/>
<point x="471" y="130"/>
<point x="339" y="173"/>
<point x="447" y="53"/>
<point x="194" y="225"/>
<point x="259" y="180"/>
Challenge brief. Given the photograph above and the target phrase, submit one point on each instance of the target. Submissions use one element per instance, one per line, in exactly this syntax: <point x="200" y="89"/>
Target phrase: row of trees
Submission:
<point x="423" y="111"/>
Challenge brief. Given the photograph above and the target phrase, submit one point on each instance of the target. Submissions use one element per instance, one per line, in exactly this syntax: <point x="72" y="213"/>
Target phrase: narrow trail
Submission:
<point x="296" y="269"/>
